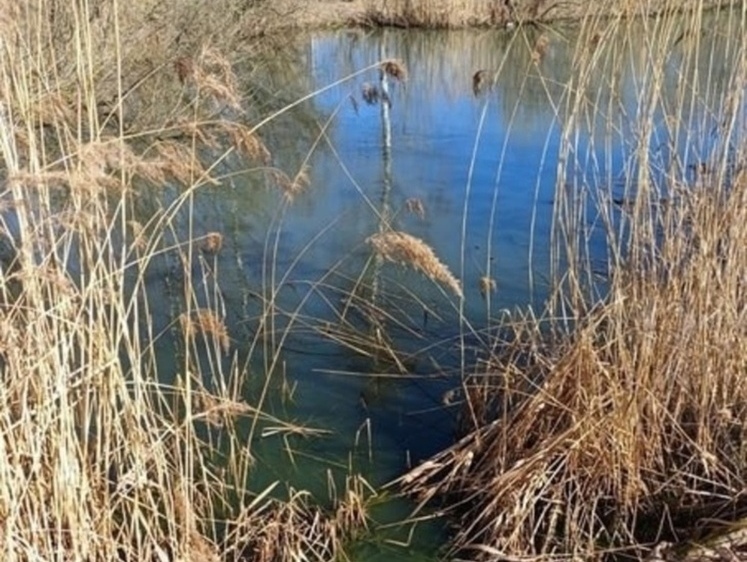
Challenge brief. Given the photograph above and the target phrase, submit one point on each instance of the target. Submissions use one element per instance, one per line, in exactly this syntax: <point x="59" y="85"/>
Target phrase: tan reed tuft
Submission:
<point x="404" y="249"/>
<point x="395" y="68"/>
<point x="212" y="243"/>
<point x="290" y="187"/>
<point x="487" y="285"/>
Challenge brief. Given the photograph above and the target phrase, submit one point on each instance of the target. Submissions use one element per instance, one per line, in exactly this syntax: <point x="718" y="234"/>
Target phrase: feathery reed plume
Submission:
<point x="395" y="69"/>
<point x="487" y="286"/>
<point x="179" y="162"/>
<point x="404" y="249"/>
<point x="213" y="75"/>
<point x="247" y="142"/>
<point x="138" y="236"/>
<point x="414" y="206"/>
<point x="540" y="48"/>
<point x="212" y="243"/>
<point x="205" y="322"/>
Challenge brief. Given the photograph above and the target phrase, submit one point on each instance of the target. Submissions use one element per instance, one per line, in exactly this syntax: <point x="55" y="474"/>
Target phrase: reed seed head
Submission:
<point x="395" y="69"/>
<point x="212" y="243"/>
<point x="404" y="249"/>
<point x="487" y="286"/>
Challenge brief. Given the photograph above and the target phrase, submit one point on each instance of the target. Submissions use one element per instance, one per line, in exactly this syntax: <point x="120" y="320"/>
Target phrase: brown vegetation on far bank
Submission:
<point x="469" y="13"/>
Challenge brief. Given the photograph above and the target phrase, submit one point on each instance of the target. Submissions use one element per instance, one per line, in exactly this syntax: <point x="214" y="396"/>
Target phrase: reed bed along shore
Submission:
<point x="107" y="453"/>
<point x="604" y="426"/>
<point x="609" y="428"/>
<point x="499" y="13"/>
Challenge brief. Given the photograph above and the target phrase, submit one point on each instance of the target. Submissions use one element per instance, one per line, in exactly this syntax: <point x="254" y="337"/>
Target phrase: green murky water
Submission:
<point x="483" y="170"/>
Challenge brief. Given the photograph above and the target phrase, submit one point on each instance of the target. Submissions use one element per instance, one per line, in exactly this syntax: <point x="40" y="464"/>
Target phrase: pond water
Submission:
<point x="483" y="170"/>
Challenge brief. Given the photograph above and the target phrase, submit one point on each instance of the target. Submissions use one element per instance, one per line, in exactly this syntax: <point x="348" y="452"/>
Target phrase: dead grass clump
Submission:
<point x="627" y="433"/>
<point x="273" y="530"/>
<point x="613" y="424"/>
<point x="435" y="13"/>
<point x="213" y="76"/>
<point x="404" y="249"/>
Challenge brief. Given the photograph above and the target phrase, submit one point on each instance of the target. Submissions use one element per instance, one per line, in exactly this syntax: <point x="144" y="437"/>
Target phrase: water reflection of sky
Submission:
<point x="435" y="131"/>
<point x="436" y="127"/>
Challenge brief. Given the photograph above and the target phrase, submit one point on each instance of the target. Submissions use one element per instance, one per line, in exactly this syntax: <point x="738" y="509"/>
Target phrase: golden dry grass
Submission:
<point x="608" y="426"/>
<point x="105" y="456"/>
<point x="409" y="251"/>
<point x="452" y="14"/>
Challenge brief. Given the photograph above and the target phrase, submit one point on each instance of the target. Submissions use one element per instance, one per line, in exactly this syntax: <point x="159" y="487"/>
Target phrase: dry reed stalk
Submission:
<point x="100" y="461"/>
<point x="623" y="427"/>
<point x="404" y="249"/>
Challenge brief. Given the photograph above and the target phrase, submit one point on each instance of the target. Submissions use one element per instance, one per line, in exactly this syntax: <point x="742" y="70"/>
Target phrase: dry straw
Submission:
<point x="610" y="425"/>
<point x="404" y="249"/>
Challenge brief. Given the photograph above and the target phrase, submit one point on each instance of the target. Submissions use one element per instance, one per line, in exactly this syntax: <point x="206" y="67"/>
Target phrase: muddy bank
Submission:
<point x="343" y="13"/>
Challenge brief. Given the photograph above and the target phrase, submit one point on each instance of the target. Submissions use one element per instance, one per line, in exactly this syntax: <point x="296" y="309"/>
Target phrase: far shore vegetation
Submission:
<point x="603" y="426"/>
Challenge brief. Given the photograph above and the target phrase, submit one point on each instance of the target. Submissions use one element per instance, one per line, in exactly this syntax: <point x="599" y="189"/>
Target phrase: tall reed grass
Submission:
<point x="501" y="13"/>
<point x="615" y="421"/>
<point x="104" y="455"/>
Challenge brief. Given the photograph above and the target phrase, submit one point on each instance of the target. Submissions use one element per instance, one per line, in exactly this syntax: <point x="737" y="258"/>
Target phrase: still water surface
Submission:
<point x="485" y="166"/>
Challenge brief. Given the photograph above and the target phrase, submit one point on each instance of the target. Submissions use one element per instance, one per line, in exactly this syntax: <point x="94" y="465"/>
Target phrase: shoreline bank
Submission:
<point x="323" y="14"/>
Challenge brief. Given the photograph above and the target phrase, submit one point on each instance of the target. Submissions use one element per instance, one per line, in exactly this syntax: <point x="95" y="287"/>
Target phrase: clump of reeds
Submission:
<point x="500" y="13"/>
<point x="407" y="250"/>
<point x="109" y="451"/>
<point x="621" y="424"/>
<point x="436" y="13"/>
